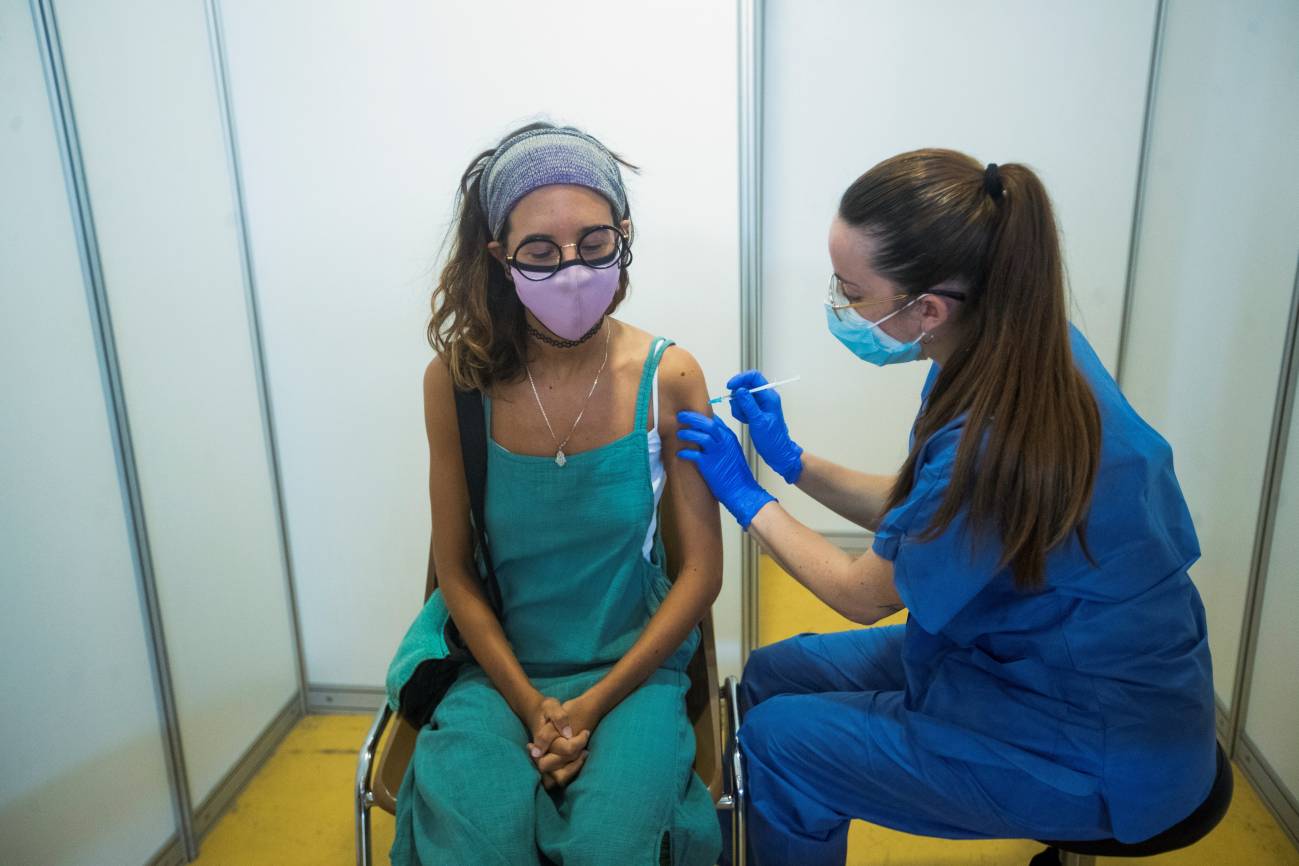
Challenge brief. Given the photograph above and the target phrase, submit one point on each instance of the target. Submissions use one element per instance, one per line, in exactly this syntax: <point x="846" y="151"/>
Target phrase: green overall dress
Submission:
<point x="577" y="591"/>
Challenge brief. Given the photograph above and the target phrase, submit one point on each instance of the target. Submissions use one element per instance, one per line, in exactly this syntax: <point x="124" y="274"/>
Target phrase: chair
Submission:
<point x="1186" y="832"/>
<point x="713" y="716"/>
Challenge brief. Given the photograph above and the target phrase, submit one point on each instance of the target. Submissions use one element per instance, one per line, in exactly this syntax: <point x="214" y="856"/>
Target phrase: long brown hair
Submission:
<point x="478" y="324"/>
<point x="1029" y="451"/>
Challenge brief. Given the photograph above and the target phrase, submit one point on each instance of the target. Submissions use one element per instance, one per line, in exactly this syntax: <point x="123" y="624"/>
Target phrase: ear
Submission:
<point x="497" y="252"/>
<point x="936" y="310"/>
<point x="629" y="230"/>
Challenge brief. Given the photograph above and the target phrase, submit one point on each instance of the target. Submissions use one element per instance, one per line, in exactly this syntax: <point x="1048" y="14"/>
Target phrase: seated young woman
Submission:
<point x="566" y="740"/>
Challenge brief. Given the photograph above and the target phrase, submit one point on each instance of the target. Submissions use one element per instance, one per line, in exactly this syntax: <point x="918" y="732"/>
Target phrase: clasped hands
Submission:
<point x="560" y="733"/>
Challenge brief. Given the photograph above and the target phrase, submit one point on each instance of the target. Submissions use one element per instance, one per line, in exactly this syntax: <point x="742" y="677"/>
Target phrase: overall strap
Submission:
<point x="657" y="348"/>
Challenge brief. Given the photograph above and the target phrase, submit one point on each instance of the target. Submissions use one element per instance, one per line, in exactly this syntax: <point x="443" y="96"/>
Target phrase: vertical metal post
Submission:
<point x="750" y="31"/>
<point x="216" y="39"/>
<point x="56" y="79"/>
<point x="1282" y="418"/>
<point x="1138" y="204"/>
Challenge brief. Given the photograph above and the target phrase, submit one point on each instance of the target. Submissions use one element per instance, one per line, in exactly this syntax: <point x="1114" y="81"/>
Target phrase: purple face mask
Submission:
<point x="572" y="300"/>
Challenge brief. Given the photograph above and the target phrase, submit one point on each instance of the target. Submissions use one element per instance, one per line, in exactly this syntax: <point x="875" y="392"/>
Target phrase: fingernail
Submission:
<point x="568" y="733"/>
<point x="536" y="753"/>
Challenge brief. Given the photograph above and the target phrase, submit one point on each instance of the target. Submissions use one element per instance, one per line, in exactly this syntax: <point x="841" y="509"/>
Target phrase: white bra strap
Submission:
<point x="656" y="399"/>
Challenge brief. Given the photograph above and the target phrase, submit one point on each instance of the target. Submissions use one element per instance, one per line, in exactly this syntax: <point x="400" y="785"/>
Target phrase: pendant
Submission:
<point x="560" y="459"/>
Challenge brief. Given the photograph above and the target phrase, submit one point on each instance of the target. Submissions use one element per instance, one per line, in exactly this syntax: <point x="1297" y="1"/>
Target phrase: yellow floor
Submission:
<point x="298" y="810"/>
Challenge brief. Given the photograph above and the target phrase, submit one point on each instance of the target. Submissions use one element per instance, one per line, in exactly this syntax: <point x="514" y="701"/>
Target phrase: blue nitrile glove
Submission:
<point x="720" y="460"/>
<point x="766" y="422"/>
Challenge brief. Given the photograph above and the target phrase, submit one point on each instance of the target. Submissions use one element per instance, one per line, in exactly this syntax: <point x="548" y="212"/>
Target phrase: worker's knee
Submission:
<point x="767" y="673"/>
<point x="770" y="729"/>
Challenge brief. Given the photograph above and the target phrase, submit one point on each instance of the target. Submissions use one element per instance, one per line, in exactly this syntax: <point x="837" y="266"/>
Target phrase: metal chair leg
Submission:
<point x="364" y="792"/>
<point x="738" y="791"/>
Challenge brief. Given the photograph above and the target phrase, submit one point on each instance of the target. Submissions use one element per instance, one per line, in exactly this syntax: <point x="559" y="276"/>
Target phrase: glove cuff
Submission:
<point x="793" y="469"/>
<point x="748" y="509"/>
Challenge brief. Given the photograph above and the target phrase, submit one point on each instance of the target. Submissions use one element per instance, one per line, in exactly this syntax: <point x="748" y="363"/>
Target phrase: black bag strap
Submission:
<point x="473" y="450"/>
<point x="431" y="678"/>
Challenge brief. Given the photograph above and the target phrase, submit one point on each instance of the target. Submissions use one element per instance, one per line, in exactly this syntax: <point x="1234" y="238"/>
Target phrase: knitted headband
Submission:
<point x="543" y="157"/>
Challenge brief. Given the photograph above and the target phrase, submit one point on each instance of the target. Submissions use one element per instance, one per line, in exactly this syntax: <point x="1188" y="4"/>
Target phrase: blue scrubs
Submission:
<point x="1083" y="711"/>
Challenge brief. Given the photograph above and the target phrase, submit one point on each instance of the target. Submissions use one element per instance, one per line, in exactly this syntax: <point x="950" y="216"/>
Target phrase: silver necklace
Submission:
<point x="560" y="457"/>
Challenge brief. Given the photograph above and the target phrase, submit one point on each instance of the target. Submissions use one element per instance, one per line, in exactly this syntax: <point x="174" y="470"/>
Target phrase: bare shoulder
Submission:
<point x="439" y="399"/>
<point x="437" y="376"/>
<point x="633" y="343"/>
<point x="682" y="379"/>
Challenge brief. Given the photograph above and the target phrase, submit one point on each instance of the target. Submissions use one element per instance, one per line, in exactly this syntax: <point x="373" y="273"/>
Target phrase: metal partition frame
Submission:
<point x="192" y="821"/>
<point x="750" y="34"/>
<point x="1251" y="761"/>
<point x="1138" y="201"/>
<point x="1282" y="416"/>
<point x="1231" y="722"/>
<point x="216" y="37"/>
<point x="101" y="321"/>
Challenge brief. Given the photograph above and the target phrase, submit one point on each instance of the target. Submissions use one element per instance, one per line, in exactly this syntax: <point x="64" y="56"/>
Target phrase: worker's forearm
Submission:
<point x="825" y="569"/>
<point x="855" y="495"/>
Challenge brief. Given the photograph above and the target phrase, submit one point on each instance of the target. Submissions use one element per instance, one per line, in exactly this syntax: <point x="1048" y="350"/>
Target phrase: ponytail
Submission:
<point x="1030" y="445"/>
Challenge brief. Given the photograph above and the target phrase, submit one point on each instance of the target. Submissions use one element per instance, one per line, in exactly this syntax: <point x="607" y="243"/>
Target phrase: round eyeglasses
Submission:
<point x="599" y="247"/>
<point x="837" y="299"/>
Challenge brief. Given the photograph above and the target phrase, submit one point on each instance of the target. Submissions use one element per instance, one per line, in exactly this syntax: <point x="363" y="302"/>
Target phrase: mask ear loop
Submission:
<point x="925" y="337"/>
<point x="626" y="246"/>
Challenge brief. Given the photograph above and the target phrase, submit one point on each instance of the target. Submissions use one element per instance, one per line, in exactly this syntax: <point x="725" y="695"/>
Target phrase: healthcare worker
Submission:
<point x="1053" y="679"/>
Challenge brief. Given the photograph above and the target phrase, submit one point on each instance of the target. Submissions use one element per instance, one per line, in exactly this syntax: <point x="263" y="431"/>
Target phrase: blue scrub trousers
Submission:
<point x="825" y="740"/>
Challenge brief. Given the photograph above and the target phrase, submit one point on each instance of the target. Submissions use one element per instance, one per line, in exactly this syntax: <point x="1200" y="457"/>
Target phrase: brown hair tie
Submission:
<point x="992" y="182"/>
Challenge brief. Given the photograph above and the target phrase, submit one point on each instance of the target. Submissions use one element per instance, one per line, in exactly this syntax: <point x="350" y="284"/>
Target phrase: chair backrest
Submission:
<point x="702" y="708"/>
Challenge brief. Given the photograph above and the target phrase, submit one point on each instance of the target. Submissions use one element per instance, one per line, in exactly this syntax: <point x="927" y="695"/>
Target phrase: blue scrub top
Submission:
<point x="1099" y="683"/>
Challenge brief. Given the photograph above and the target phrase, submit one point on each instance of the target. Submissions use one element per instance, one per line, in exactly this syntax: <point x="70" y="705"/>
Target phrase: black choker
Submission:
<point x="565" y="344"/>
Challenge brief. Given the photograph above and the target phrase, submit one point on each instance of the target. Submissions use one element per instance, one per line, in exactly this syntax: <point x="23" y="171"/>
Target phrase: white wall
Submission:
<point x="80" y="723"/>
<point x="1214" y="275"/>
<point x="355" y="122"/>
<point x="1060" y="87"/>
<point x="144" y="91"/>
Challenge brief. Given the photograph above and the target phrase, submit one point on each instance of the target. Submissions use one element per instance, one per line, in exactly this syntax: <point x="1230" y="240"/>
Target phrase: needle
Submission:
<point x="756" y="390"/>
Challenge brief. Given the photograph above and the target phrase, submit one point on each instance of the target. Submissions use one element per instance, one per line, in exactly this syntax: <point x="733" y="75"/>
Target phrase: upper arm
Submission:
<point x="693" y="529"/>
<point x="452" y="548"/>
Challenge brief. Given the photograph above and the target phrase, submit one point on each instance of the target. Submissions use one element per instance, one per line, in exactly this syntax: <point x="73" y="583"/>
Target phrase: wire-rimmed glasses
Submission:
<point x="538" y="258"/>
<point x="837" y="299"/>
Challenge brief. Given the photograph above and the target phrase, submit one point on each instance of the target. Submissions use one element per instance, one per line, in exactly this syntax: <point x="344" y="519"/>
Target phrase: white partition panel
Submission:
<point x="1061" y="87"/>
<point x="1216" y="259"/>
<point x="355" y="122"/>
<point x="80" y="723"/>
<point x="1272" y="715"/>
<point x="144" y="91"/>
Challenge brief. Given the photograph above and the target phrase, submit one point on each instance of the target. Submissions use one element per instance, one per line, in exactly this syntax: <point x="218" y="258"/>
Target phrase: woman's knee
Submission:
<point x="612" y="844"/>
<point x="612" y="830"/>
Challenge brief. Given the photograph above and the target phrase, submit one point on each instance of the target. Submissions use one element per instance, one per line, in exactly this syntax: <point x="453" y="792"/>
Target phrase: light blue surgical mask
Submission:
<point x="867" y="340"/>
